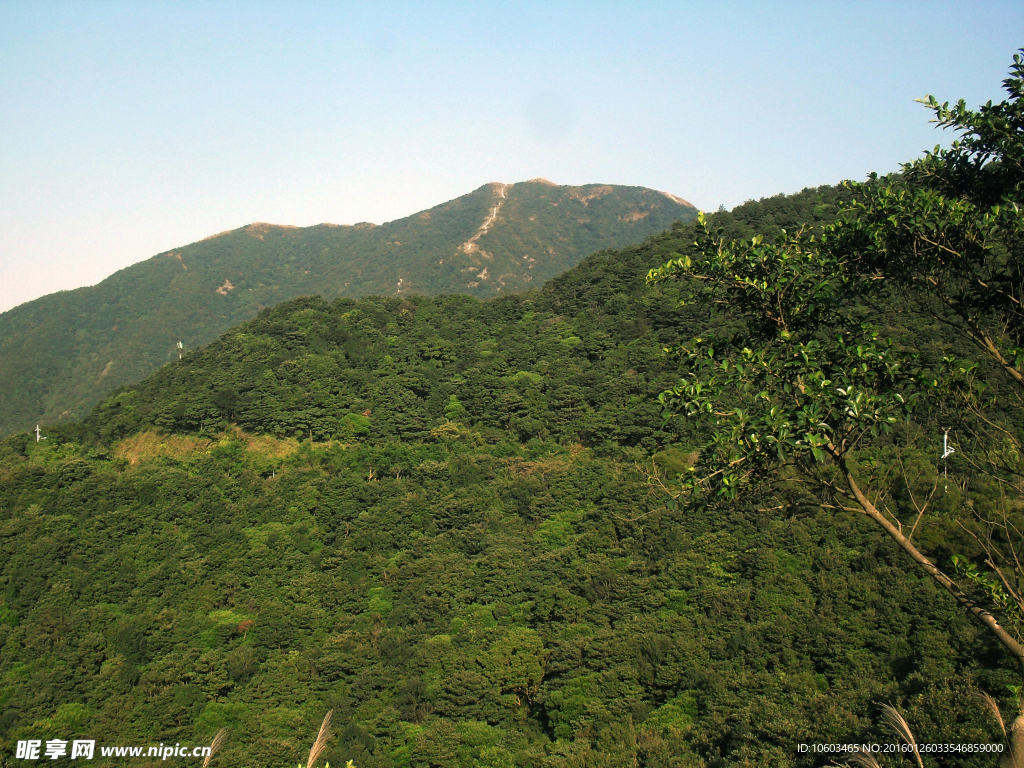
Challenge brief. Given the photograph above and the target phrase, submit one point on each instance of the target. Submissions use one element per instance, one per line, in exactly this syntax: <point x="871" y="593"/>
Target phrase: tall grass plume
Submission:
<point x="321" y="740"/>
<point x="217" y="743"/>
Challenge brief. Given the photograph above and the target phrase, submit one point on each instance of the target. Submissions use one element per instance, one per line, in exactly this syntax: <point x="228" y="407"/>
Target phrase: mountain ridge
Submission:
<point x="61" y="353"/>
<point x="437" y="517"/>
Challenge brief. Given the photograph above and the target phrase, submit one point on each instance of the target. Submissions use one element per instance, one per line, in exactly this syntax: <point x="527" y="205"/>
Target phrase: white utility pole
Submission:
<point x="947" y="451"/>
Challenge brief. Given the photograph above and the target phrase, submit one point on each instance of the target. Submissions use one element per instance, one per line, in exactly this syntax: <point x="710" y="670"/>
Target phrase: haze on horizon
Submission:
<point x="129" y="129"/>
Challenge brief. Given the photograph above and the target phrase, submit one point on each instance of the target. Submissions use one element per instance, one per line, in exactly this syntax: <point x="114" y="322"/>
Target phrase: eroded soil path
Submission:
<point x="470" y="245"/>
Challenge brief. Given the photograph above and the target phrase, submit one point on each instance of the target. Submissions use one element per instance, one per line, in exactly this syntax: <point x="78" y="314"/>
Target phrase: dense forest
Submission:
<point x="62" y="353"/>
<point x="435" y="517"/>
<point x="691" y="503"/>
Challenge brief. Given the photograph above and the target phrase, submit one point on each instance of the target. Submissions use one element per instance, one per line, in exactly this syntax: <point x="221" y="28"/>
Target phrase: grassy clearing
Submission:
<point x="153" y="444"/>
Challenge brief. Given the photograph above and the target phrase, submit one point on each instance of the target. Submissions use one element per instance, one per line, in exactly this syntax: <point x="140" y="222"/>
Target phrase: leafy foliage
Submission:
<point x="947" y="234"/>
<point x="430" y="515"/>
<point x="805" y="390"/>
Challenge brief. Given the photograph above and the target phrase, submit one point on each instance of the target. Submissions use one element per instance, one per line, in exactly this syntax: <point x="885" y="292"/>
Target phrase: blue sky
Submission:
<point x="129" y="128"/>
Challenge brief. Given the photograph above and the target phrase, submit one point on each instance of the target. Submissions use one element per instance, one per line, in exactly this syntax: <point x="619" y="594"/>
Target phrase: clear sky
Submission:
<point x="129" y="128"/>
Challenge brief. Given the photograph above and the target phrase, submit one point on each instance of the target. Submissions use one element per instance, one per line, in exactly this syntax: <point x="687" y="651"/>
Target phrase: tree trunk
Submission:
<point x="1014" y="756"/>
<point x="947" y="583"/>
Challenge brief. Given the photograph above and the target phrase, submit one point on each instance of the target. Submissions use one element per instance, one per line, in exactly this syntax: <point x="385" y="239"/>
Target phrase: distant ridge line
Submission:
<point x="61" y="353"/>
<point x="675" y="199"/>
<point x="264" y="225"/>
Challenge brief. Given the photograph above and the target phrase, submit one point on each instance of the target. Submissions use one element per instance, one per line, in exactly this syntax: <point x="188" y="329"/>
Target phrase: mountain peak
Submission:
<point x="499" y="239"/>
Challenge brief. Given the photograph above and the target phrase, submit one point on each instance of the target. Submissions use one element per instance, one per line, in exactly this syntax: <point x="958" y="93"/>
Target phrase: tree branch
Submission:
<point x="986" y="618"/>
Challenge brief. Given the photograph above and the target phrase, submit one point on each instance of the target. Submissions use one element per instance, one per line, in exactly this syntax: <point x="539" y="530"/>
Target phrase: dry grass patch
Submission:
<point x="151" y="444"/>
<point x="267" y="446"/>
<point x="259" y="229"/>
<point x="519" y="468"/>
<point x="595" y="193"/>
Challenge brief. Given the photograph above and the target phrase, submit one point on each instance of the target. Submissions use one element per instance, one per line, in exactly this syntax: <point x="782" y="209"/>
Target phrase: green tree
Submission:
<point x="811" y="389"/>
<point x="947" y="232"/>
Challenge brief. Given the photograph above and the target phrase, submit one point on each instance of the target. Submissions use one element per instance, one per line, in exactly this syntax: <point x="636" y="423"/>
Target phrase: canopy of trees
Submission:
<point x="435" y="517"/>
<point x="444" y="518"/>
<point x="62" y="353"/>
<point x="820" y="385"/>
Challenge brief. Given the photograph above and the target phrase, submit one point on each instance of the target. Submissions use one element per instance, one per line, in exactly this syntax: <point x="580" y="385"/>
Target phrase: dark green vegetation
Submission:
<point x="60" y="354"/>
<point x="821" y="384"/>
<point x="432" y="516"/>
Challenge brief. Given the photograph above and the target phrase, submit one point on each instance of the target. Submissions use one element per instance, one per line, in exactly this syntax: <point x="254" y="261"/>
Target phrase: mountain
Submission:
<point x="434" y="516"/>
<point x="61" y="353"/>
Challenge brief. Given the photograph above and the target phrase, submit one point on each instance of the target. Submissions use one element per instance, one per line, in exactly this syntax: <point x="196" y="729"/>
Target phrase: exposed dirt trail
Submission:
<point x="470" y="245"/>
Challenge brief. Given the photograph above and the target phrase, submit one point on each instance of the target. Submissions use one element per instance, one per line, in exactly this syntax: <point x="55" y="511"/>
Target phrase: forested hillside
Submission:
<point x="437" y="517"/>
<point x="60" y="354"/>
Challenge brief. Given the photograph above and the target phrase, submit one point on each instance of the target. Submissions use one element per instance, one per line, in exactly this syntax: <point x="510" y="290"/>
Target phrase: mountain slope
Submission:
<point x="461" y="554"/>
<point x="63" y="352"/>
